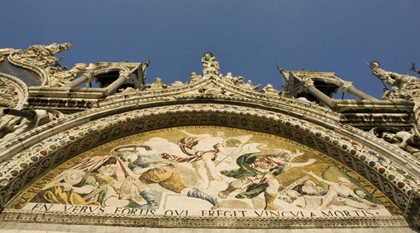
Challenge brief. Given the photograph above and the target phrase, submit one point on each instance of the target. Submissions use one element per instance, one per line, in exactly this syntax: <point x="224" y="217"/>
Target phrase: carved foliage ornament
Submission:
<point x="41" y="59"/>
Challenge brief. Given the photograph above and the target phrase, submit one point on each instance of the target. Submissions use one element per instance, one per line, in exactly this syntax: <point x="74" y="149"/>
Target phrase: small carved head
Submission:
<point x="374" y="64"/>
<point x="207" y="56"/>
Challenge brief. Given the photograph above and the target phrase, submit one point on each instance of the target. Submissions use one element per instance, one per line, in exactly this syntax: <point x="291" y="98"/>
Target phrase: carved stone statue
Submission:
<point x="391" y="78"/>
<point x="29" y="120"/>
<point x="176" y="84"/>
<point x="270" y="90"/>
<point x="408" y="141"/>
<point x="236" y="80"/>
<point x="229" y="76"/>
<point x="59" y="76"/>
<point x="248" y="85"/>
<point x="156" y="85"/>
<point x="194" y="78"/>
<point x="41" y="55"/>
<point x="210" y="64"/>
<point x="213" y="89"/>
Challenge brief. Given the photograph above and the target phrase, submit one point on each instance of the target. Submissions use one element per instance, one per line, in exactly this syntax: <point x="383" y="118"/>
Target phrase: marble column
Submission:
<point x="310" y="87"/>
<point x="77" y="82"/>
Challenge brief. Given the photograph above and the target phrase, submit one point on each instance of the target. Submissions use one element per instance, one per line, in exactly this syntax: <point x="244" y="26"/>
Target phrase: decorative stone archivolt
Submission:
<point x="7" y="51"/>
<point x="223" y="89"/>
<point x="20" y="170"/>
<point x="13" y="94"/>
<point x="38" y="57"/>
<point x="41" y="55"/>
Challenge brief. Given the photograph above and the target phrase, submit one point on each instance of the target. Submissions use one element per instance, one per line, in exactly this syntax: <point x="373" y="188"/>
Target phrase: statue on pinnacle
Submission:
<point x="394" y="79"/>
<point x="210" y="65"/>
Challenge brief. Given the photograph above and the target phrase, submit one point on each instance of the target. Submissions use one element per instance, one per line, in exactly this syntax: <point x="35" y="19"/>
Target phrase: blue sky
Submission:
<point x="247" y="37"/>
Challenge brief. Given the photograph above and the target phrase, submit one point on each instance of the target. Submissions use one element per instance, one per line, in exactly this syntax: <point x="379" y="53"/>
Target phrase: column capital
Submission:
<point x="125" y="73"/>
<point x="344" y="85"/>
<point x="308" y="83"/>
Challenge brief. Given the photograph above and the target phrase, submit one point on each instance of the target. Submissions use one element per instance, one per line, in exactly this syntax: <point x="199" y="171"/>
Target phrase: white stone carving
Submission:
<point x="394" y="79"/>
<point x="210" y="64"/>
<point x="270" y="90"/>
<point x="10" y="131"/>
<point x="59" y="76"/>
<point x="156" y="85"/>
<point x="235" y="80"/>
<point x="408" y="141"/>
<point x="41" y="55"/>
<point x="194" y="78"/>
<point x="176" y="84"/>
<point x="248" y="85"/>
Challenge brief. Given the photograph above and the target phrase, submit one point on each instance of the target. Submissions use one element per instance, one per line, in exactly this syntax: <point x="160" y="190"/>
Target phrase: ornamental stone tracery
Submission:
<point x="381" y="145"/>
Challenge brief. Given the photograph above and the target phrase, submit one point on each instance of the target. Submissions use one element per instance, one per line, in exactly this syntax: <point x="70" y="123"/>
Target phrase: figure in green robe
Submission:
<point x="257" y="172"/>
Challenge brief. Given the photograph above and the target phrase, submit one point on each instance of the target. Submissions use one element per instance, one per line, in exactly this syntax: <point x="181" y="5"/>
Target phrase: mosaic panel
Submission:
<point x="204" y="171"/>
<point x="19" y="172"/>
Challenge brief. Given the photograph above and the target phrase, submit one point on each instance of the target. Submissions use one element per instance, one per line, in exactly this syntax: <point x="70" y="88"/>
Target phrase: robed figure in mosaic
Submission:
<point x="257" y="172"/>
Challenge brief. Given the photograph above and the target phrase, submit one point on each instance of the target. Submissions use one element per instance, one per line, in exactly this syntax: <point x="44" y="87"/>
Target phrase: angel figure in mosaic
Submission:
<point x="340" y="193"/>
<point x="202" y="150"/>
<point x="257" y="174"/>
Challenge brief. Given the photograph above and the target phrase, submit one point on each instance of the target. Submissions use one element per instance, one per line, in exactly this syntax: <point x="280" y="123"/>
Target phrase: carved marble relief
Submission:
<point x="403" y="86"/>
<point x="41" y="55"/>
<point x="406" y="140"/>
